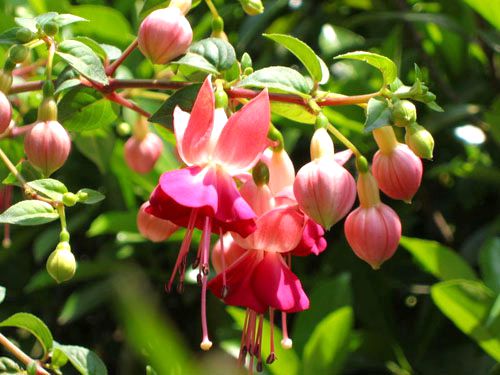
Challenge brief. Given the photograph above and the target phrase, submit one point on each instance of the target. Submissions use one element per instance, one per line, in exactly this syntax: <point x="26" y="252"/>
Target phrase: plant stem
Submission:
<point x="110" y="70"/>
<point x="62" y="215"/>
<point x="50" y="59"/>
<point x="12" y="168"/>
<point x="337" y="134"/>
<point x="20" y="355"/>
<point x="212" y="8"/>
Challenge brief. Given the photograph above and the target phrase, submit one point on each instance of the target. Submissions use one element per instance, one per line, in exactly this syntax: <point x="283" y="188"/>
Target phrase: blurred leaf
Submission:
<point x="8" y="366"/>
<point x="112" y="222"/>
<point x="328" y="347"/>
<point x="33" y="325"/>
<point x="333" y="39"/>
<point x="467" y="303"/>
<point x="490" y="10"/>
<point x="83" y="59"/>
<point x="216" y="51"/>
<point x="97" y="147"/>
<point x="29" y="212"/>
<point x="83" y="301"/>
<point x="85" y="361"/>
<point x="49" y="187"/>
<point x="151" y="5"/>
<point x="279" y="78"/>
<point x="386" y="66"/>
<point x="93" y="196"/>
<point x="489" y="260"/>
<point x="3" y="291"/>
<point x="378" y="114"/>
<point x="27" y="170"/>
<point x="288" y="361"/>
<point x="9" y="36"/>
<point x="339" y="294"/>
<point x="295" y="112"/>
<point x="440" y="261"/>
<point x="302" y="51"/>
<point x="184" y="98"/>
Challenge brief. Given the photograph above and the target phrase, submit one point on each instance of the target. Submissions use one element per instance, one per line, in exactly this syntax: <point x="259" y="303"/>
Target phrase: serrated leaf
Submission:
<point x="49" y="187"/>
<point x="83" y="109"/>
<point x="196" y="61"/>
<point x="279" y="78"/>
<point x="32" y="324"/>
<point x="83" y="59"/>
<point x="93" y="196"/>
<point x="440" y="261"/>
<point x="30" y="212"/>
<point x="467" y="303"/>
<point x="386" y="66"/>
<point x="184" y="98"/>
<point x="378" y="114"/>
<point x="302" y="51"/>
<point x="85" y="361"/>
<point x="328" y="347"/>
<point x="216" y="51"/>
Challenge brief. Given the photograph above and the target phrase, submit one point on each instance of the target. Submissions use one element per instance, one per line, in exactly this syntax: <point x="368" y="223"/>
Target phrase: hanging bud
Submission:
<point x="47" y="110"/>
<point x="141" y="155"/>
<point x="373" y="230"/>
<point x="183" y="5"/>
<point x="50" y="28"/>
<point x="18" y="53"/>
<point x="61" y="264"/>
<point x="164" y="35"/>
<point x="152" y="227"/>
<point x="5" y="113"/>
<point x="252" y="7"/>
<point x="70" y="199"/>
<point x="420" y="141"/>
<point x="246" y="61"/>
<point x="47" y="146"/>
<point x="404" y="113"/>
<point x="321" y="144"/>
<point x="25" y="35"/>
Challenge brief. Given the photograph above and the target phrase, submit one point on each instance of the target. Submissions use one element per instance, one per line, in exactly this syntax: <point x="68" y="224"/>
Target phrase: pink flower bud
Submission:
<point x="324" y="190"/>
<point x="373" y="230"/>
<point x="164" y="35"/>
<point x="152" y="227"/>
<point x="398" y="173"/>
<point x="141" y="155"/>
<point x="225" y="252"/>
<point x="47" y="146"/>
<point x="5" y="112"/>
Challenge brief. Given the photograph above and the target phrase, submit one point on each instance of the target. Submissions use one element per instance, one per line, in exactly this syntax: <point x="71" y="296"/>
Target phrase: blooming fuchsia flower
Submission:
<point x="204" y="194"/>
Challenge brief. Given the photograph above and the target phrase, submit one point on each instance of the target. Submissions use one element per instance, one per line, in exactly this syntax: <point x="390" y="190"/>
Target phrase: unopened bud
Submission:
<point x="61" y="264"/>
<point x="221" y="99"/>
<point x="321" y="121"/>
<point x="252" y="7"/>
<point x="183" y="5"/>
<point x="404" y="113"/>
<point x="124" y="129"/>
<point x="321" y="144"/>
<point x="24" y="35"/>
<point x="47" y="110"/>
<point x="70" y="199"/>
<point x="50" y="28"/>
<point x="141" y="154"/>
<point x="18" y="53"/>
<point x="217" y="25"/>
<point x="246" y="61"/>
<point x="420" y="141"/>
<point x="260" y="174"/>
<point x="82" y="196"/>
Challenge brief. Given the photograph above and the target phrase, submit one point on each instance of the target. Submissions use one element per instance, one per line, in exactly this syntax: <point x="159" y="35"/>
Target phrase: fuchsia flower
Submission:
<point x="152" y="227"/>
<point x="281" y="170"/>
<point x="204" y="194"/>
<point x="141" y="155"/>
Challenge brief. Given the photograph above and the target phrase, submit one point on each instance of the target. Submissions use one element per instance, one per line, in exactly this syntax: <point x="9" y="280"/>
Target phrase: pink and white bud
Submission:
<point x="5" y="112"/>
<point x="141" y="155"/>
<point x="373" y="230"/>
<point x="225" y="252"/>
<point x="183" y="5"/>
<point x="164" y="35"/>
<point x="47" y="146"/>
<point x="324" y="190"/>
<point x="152" y="227"/>
<point x="281" y="170"/>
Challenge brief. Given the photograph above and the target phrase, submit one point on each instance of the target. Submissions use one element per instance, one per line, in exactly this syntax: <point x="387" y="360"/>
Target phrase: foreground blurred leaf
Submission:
<point x="440" y="261"/>
<point x="490" y="10"/>
<point x="96" y="146"/>
<point x="385" y="65"/>
<point x="279" y="78"/>
<point x="288" y="361"/>
<point x="83" y="301"/>
<point x="328" y="347"/>
<point x="489" y="260"/>
<point x="8" y="366"/>
<point x="113" y="222"/>
<point x="85" y="361"/>
<point x="467" y="303"/>
<point x="33" y="325"/>
<point x="30" y="212"/>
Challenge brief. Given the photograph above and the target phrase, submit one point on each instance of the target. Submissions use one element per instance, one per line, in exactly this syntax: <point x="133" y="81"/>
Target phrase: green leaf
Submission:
<point x="216" y="51"/>
<point x="279" y="78"/>
<point x="302" y="51"/>
<point x="32" y="324"/>
<point x="184" y="98"/>
<point x="378" y="114"/>
<point x="288" y="361"/>
<point x="8" y="366"/>
<point x="490" y="10"/>
<point x="83" y="109"/>
<point x="152" y="5"/>
<point x="67" y="19"/>
<point x="3" y="292"/>
<point x="85" y="361"/>
<point x="83" y="59"/>
<point x="68" y="84"/>
<point x="49" y="187"/>
<point x="196" y="61"/>
<point x="113" y="222"/>
<point x="439" y="260"/>
<point x="9" y="36"/>
<point x="489" y="261"/>
<point x="385" y="65"/>
<point x="306" y="321"/>
<point x="295" y="112"/>
<point x="467" y="304"/>
<point x="29" y="212"/>
<point x="328" y="347"/>
<point x="97" y="146"/>
<point x="334" y="39"/>
<point x="81" y="302"/>
<point x="27" y="170"/>
<point x="93" y="196"/>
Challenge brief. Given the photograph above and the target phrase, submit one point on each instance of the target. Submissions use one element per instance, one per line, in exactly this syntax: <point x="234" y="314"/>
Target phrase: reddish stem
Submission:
<point x="111" y="69"/>
<point x="117" y="98"/>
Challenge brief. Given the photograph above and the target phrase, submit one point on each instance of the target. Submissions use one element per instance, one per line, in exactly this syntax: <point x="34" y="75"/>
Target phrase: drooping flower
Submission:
<point x="142" y="154"/>
<point x="204" y="194"/>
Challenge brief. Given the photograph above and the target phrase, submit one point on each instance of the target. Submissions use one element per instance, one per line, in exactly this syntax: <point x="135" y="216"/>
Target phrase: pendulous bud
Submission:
<point x="50" y="28"/>
<point x="404" y="113"/>
<point x="142" y="154"/>
<point x="47" y="146"/>
<point x="373" y="230"/>
<point x="70" y="199"/>
<point x="164" y="35"/>
<point x="18" y="53"/>
<point x="152" y="227"/>
<point x="420" y="141"/>
<point x="61" y="264"/>
<point x="5" y="112"/>
<point x="252" y="7"/>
